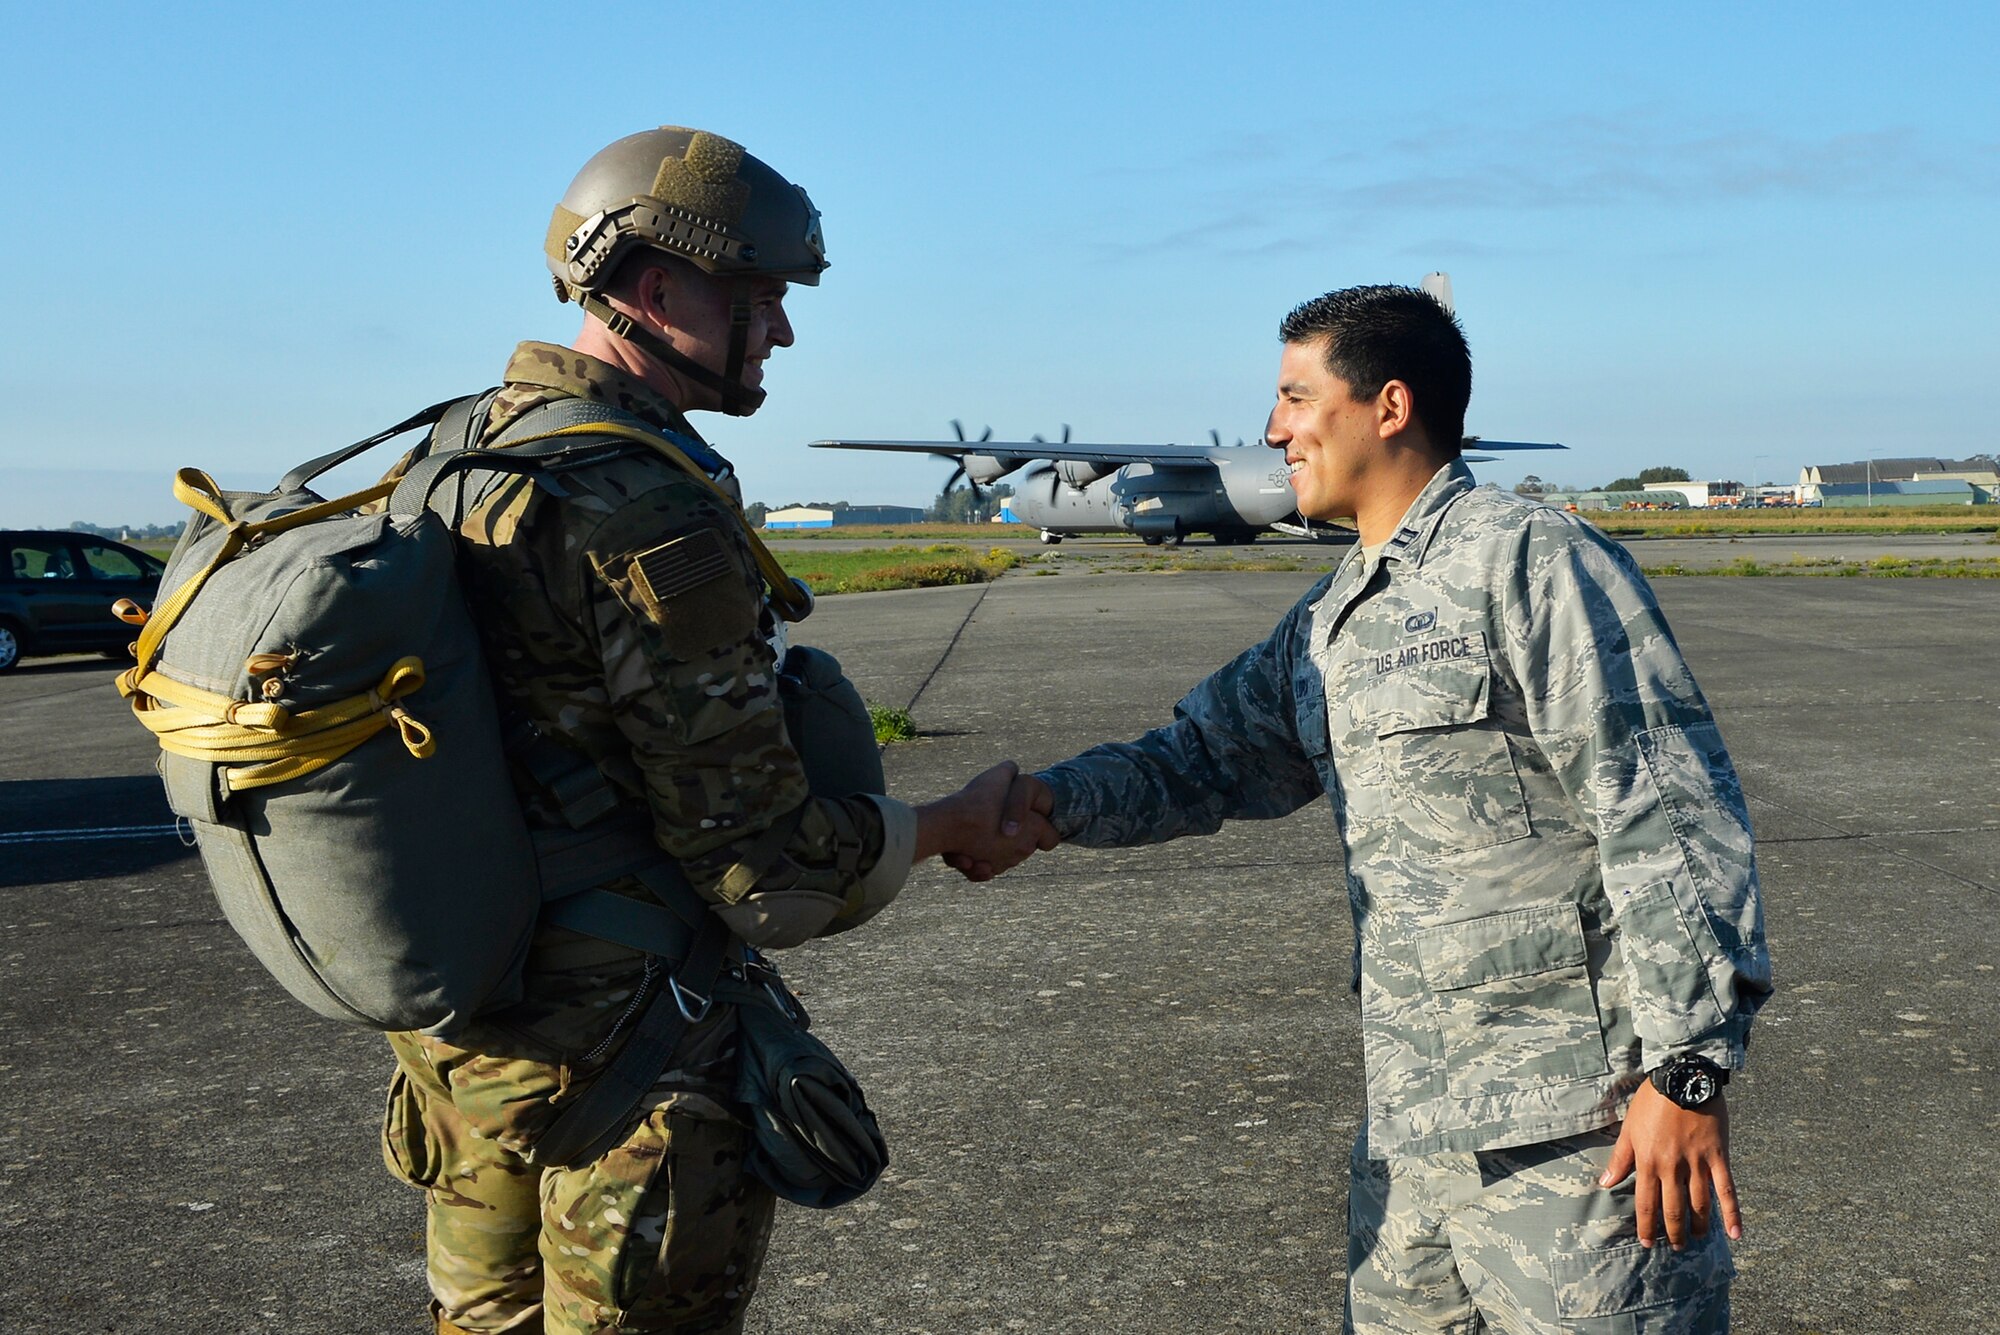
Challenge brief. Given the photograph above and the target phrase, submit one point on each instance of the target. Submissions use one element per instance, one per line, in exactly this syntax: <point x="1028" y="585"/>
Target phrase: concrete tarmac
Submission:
<point x="1692" y="554"/>
<point x="1119" y="1086"/>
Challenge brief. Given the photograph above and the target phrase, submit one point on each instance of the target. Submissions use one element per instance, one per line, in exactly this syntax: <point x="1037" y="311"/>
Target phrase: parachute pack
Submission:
<point x="328" y="729"/>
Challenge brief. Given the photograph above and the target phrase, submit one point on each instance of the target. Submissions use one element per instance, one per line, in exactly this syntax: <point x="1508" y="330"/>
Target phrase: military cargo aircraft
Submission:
<point x="1159" y="493"/>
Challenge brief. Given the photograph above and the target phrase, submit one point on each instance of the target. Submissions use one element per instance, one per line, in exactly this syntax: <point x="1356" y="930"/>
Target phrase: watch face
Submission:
<point x="1690" y="1086"/>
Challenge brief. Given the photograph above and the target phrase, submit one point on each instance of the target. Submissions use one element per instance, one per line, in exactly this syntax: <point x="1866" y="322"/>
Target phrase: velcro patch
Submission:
<point x="696" y="590"/>
<point x="685" y="564"/>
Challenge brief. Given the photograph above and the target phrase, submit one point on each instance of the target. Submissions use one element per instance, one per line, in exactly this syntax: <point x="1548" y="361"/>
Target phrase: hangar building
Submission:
<point x="815" y="516"/>
<point x="1836" y="484"/>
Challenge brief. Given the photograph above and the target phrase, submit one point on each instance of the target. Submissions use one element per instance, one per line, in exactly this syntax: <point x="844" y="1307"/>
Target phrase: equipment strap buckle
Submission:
<point x="682" y="996"/>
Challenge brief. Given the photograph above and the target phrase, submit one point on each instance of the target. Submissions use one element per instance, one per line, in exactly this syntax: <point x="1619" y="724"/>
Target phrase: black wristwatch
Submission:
<point x="1689" y="1080"/>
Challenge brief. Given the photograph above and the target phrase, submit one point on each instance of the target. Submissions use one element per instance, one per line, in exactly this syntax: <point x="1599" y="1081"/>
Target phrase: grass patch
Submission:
<point x="1840" y="519"/>
<point x="1880" y="567"/>
<point x="892" y="724"/>
<point x="872" y="569"/>
<point x="899" y="533"/>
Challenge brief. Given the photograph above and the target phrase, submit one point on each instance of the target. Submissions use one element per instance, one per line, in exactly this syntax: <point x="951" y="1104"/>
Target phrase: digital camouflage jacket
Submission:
<point x="1548" y="855"/>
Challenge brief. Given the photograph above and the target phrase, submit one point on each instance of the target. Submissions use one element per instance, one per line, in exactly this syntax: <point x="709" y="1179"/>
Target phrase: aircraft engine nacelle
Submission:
<point x="989" y="468"/>
<point x="1079" y="474"/>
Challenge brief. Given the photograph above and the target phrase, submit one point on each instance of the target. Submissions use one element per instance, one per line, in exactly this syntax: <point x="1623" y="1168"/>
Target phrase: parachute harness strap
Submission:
<point x="791" y="598"/>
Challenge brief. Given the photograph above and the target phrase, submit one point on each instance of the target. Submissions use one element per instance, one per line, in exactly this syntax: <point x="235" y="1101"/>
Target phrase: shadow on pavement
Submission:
<point x="53" y="806"/>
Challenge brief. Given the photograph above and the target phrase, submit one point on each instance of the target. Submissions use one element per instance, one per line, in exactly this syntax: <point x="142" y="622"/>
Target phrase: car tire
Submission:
<point x="10" y="645"/>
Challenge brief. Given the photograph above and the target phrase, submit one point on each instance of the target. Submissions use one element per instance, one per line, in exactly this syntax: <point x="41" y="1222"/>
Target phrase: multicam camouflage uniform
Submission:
<point x="622" y="613"/>
<point x="1549" y="865"/>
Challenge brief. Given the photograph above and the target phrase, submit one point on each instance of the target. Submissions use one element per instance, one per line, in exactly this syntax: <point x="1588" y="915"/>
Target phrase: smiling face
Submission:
<point x="1330" y="439"/>
<point x="698" y="325"/>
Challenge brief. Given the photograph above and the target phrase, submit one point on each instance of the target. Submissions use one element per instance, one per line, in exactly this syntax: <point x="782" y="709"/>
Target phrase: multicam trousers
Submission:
<point x="665" y="1233"/>
<point x="1522" y="1241"/>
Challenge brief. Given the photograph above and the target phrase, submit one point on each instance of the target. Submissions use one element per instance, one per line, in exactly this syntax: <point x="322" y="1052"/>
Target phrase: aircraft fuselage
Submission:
<point x="1228" y="496"/>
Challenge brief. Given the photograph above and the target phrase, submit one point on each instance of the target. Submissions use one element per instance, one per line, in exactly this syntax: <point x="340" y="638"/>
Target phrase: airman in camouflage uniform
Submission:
<point x="1548" y="857"/>
<point x="624" y="618"/>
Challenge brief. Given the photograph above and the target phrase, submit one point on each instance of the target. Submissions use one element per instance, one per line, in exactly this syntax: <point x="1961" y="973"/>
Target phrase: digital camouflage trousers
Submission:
<point x="1521" y="1241"/>
<point x="664" y="1233"/>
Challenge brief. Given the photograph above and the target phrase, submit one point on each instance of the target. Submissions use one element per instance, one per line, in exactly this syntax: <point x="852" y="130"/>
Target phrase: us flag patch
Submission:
<point x="681" y="566"/>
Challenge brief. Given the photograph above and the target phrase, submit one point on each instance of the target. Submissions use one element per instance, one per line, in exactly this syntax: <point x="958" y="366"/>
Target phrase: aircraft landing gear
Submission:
<point x="1050" y="539"/>
<point x="1230" y="537"/>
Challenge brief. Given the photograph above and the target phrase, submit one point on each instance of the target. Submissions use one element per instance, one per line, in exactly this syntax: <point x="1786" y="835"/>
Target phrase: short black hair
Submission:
<point x="1386" y="332"/>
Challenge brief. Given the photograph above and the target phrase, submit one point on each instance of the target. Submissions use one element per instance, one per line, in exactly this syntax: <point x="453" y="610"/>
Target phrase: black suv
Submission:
<point x="57" y="588"/>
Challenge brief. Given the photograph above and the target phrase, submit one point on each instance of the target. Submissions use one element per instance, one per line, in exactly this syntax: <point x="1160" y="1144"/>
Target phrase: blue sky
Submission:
<point x="1735" y="238"/>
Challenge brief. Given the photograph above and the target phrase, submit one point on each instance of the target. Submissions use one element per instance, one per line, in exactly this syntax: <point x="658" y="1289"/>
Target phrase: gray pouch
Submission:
<point x="813" y="1139"/>
<point x="829" y="725"/>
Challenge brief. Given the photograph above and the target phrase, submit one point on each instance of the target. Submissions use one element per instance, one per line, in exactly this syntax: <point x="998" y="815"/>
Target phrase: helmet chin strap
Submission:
<point x="738" y="399"/>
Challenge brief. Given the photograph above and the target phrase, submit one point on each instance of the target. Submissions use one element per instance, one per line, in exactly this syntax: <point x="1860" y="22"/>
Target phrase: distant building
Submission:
<point x="1980" y="475"/>
<point x="1701" y="494"/>
<point x="878" y="514"/>
<point x="817" y="516"/>
<point x="799" y="516"/>
<point x="1614" y="500"/>
<point x="1929" y="491"/>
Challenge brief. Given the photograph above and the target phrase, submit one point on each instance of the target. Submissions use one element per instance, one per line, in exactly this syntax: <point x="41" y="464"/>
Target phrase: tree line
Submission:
<point x="1534" y="486"/>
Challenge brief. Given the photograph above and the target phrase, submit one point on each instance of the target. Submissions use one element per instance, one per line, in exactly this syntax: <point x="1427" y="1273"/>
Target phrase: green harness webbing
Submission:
<point x="574" y="865"/>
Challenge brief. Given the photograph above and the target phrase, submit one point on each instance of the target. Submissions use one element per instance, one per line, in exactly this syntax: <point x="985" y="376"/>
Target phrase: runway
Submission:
<point x="1119" y="1086"/>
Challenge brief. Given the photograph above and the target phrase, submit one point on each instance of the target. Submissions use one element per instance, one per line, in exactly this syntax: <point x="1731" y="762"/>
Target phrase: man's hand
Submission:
<point x="1678" y="1154"/>
<point x="990" y="825"/>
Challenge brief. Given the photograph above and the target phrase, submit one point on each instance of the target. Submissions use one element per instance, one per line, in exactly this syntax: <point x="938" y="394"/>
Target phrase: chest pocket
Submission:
<point x="1450" y="769"/>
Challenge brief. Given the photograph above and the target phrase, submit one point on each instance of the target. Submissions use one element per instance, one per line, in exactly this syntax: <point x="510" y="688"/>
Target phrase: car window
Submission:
<point x="108" y="562"/>
<point x="34" y="558"/>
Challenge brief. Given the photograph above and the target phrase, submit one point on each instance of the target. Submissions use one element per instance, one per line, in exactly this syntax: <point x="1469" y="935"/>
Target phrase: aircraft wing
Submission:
<point x="1109" y="455"/>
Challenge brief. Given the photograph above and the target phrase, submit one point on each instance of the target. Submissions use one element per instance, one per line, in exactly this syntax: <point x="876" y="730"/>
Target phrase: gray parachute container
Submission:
<point x="383" y="889"/>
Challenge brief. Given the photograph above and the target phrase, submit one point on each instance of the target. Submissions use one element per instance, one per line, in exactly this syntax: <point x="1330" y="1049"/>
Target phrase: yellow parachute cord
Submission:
<point x="264" y="744"/>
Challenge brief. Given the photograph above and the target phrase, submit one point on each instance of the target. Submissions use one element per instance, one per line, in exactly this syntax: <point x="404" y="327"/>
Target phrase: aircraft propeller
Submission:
<point x="1215" y="438"/>
<point x="957" y="462"/>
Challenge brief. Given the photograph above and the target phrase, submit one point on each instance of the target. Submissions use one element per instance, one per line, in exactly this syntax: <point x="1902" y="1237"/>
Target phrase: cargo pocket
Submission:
<point x="665" y="1231"/>
<point x="1513" y="1001"/>
<point x="408" y="1149"/>
<point x="1634" y="1290"/>
<point x="1451" y="772"/>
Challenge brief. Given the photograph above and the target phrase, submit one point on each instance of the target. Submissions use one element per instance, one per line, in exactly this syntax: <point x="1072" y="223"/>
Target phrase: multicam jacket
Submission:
<point x="1548" y="856"/>
<point x="623" y="615"/>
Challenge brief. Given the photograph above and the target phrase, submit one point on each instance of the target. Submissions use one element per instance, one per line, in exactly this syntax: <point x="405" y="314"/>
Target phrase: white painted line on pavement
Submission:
<point x="83" y="836"/>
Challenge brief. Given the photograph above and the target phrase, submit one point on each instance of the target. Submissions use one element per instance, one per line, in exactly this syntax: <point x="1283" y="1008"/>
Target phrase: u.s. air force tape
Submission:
<point x="695" y="588"/>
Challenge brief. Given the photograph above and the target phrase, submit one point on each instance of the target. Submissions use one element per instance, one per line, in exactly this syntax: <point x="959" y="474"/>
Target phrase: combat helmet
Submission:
<point x="696" y="196"/>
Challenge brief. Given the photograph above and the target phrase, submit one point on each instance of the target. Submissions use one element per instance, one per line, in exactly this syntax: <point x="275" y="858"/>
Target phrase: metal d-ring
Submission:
<point x="683" y="995"/>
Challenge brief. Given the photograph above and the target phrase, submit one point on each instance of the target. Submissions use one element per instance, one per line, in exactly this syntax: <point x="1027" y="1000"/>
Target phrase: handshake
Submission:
<point x="990" y="825"/>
